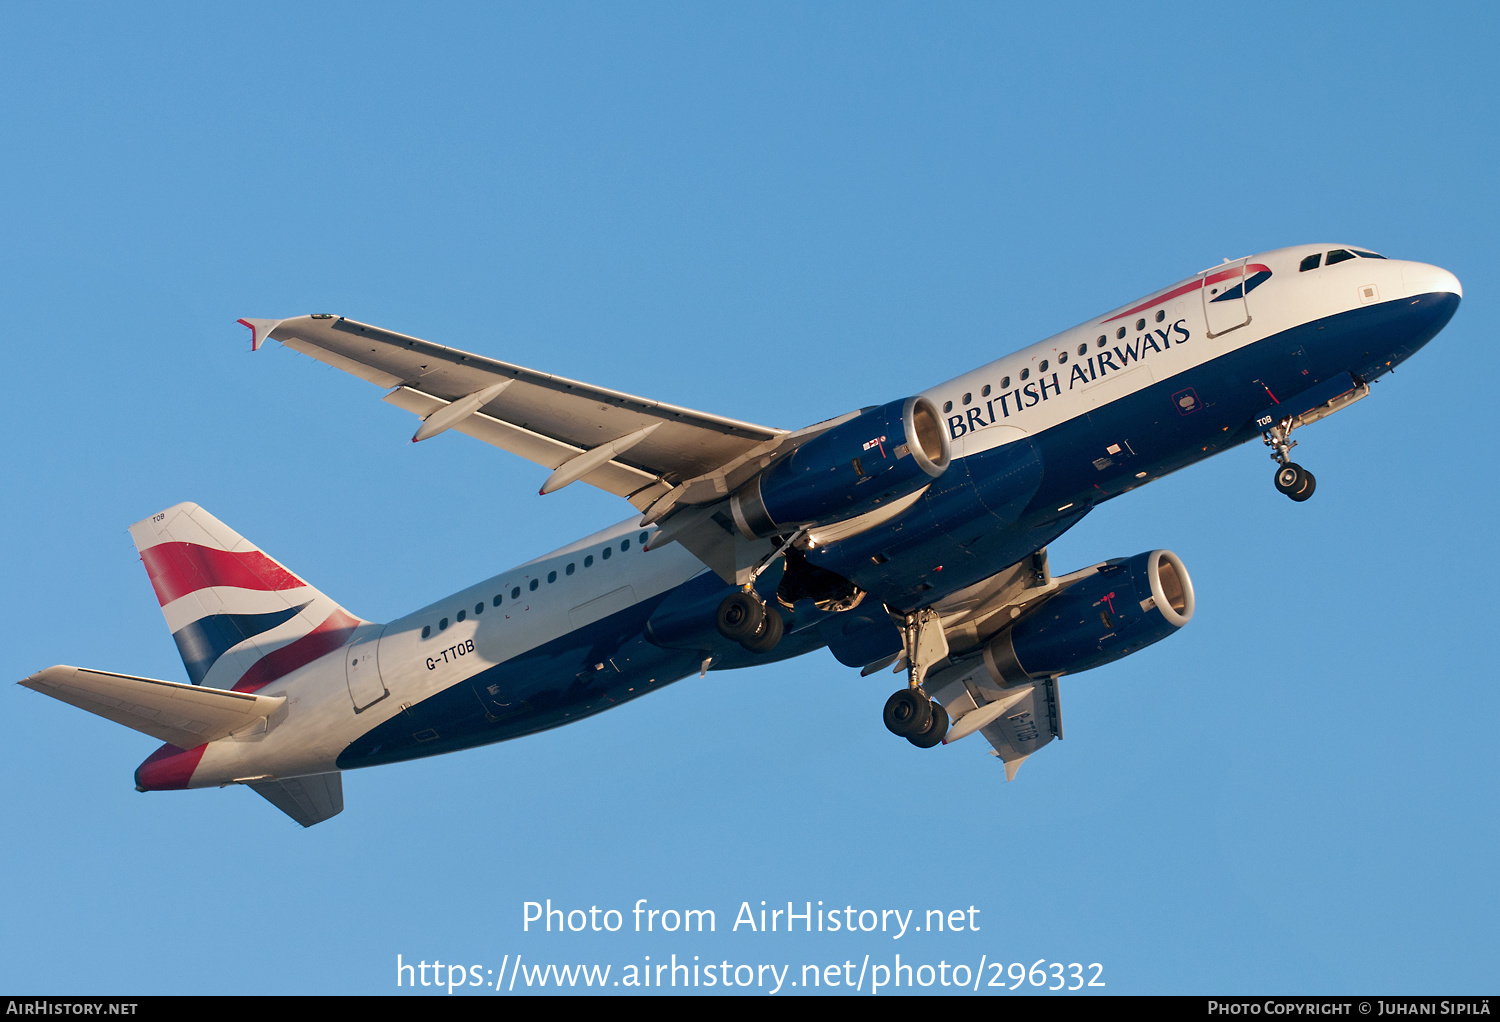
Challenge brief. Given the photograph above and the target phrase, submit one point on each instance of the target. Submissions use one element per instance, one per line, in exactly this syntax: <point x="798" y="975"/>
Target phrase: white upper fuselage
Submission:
<point x="1289" y="298"/>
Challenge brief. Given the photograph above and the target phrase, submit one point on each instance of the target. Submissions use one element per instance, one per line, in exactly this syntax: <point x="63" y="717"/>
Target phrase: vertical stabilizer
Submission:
<point x="240" y="619"/>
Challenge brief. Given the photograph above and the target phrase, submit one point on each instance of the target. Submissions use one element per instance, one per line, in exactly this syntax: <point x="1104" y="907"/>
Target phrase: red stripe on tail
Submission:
<point x="177" y="569"/>
<point x="325" y="638"/>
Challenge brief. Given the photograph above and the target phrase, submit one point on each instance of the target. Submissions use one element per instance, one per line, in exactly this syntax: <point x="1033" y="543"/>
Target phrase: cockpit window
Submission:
<point x="1367" y="255"/>
<point x="1338" y="255"/>
<point x="1312" y="262"/>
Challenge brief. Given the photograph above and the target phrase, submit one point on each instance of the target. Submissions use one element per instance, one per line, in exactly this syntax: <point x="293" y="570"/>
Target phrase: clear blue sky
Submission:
<point x="777" y="213"/>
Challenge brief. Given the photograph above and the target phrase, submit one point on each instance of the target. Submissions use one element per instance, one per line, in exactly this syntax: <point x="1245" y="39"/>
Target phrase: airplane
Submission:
<point x="909" y="535"/>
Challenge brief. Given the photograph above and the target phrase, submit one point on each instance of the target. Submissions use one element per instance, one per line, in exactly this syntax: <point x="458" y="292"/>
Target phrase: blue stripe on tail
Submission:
<point x="205" y="640"/>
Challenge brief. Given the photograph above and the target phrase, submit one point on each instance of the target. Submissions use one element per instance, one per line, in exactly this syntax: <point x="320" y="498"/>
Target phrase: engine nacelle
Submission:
<point x="1127" y="606"/>
<point x="880" y="455"/>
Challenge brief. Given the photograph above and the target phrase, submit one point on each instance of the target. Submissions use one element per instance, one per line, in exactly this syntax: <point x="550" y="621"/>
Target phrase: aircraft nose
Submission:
<point x="1422" y="279"/>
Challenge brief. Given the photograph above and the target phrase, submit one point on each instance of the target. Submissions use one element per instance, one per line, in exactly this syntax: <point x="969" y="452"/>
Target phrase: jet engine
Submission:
<point x="1127" y="605"/>
<point x="881" y="455"/>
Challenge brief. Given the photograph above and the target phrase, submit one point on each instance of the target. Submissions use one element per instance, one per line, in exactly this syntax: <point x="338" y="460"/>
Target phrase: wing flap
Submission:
<point x="182" y="715"/>
<point x="308" y="800"/>
<point x="612" y="477"/>
<point x="1025" y="726"/>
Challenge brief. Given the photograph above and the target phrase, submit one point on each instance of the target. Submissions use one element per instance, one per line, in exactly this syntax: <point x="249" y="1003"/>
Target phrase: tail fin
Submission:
<point x="240" y="619"/>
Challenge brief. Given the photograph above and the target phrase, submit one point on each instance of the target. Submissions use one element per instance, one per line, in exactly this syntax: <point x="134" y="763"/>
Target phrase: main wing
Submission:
<point x="630" y="446"/>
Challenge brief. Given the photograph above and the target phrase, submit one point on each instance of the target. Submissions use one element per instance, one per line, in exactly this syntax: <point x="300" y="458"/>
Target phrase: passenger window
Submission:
<point x="588" y="562"/>
<point x="606" y="552"/>
<point x="515" y="594"/>
<point x="1120" y="334"/>
<point x="985" y="391"/>
<point x="1083" y="349"/>
<point x="442" y="623"/>
<point x="1312" y="262"/>
<point x="624" y="545"/>
<point x="1140" y="324"/>
<point x="551" y="577"/>
<point x="1101" y="342"/>
<point x="569" y="570"/>
<point x="426" y="631"/>
<point x="1005" y="383"/>
<point x="1161" y="314"/>
<point x="642" y="538"/>
<point x="947" y="406"/>
<point x="1043" y="367"/>
<point x="479" y="607"/>
<point x="1025" y="373"/>
<point x="1338" y="255"/>
<point x="496" y="600"/>
<point x="461" y="615"/>
<point x="1062" y="358"/>
<point x="534" y="583"/>
<point x="968" y="398"/>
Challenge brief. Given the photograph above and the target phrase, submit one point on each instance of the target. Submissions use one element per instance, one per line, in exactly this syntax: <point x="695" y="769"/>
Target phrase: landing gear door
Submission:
<point x="1224" y="306"/>
<point x="362" y="671"/>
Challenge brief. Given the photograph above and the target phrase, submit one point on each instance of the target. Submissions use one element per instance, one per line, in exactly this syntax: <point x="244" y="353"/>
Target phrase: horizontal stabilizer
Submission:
<point x="308" y="800"/>
<point x="182" y="715"/>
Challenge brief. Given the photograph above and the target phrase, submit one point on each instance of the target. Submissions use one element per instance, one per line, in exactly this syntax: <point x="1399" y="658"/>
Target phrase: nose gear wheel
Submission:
<point x="1295" y="481"/>
<point x="1291" y="478"/>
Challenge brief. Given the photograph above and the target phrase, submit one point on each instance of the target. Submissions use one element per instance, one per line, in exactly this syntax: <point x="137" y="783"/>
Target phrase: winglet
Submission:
<point x="260" y="329"/>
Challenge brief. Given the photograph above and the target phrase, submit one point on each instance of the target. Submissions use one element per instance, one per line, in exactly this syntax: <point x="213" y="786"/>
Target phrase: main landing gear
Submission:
<point x="1291" y="478"/>
<point x="746" y="620"/>
<point x="910" y="714"/>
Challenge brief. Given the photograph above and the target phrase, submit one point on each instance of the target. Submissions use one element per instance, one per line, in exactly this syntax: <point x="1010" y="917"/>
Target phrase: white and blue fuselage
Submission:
<point x="1038" y="438"/>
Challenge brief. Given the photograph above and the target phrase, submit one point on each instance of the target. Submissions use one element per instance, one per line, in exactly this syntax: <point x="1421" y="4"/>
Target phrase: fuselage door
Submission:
<point x="362" y="670"/>
<point x="1224" y="306"/>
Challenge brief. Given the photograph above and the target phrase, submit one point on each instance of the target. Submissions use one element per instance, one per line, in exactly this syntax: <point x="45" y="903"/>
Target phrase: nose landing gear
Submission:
<point x="1291" y="478"/>
<point x="1295" y="481"/>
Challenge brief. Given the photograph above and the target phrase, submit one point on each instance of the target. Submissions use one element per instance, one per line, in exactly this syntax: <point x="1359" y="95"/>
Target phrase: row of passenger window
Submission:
<point x="515" y="592"/>
<point x="1062" y="360"/>
<point x="1338" y="255"/>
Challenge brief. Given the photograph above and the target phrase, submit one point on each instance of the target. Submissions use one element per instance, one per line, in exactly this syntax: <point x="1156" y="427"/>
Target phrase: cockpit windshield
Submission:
<point x="1338" y="255"/>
